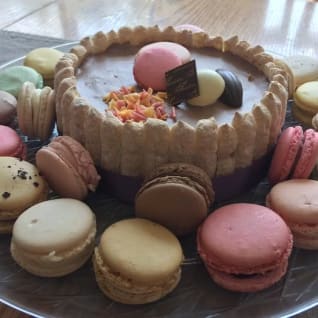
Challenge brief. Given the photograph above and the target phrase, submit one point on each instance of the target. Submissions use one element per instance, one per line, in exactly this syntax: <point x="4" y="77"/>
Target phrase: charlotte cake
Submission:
<point x="219" y="145"/>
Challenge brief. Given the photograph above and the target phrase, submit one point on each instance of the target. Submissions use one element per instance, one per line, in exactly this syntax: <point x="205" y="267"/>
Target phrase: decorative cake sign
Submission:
<point x="182" y="83"/>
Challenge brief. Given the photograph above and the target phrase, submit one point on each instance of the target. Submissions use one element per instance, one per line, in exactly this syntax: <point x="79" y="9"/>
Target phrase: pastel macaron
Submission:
<point x="8" y="108"/>
<point x="54" y="238"/>
<point x="211" y="87"/>
<point x="295" y="155"/>
<point x="21" y="187"/>
<point x="305" y="104"/>
<point x="177" y="196"/>
<point x="13" y="77"/>
<point x="154" y="60"/>
<point x="36" y="111"/>
<point x="303" y="67"/>
<point x="137" y="261"/>
<point x="245" y="247"/>
<point x="188" y="27"/>
<point x="43" y="60"/>
<point x="11" y="145"/>
<point x="68" y="168"/>
<point x="296" y="201"/>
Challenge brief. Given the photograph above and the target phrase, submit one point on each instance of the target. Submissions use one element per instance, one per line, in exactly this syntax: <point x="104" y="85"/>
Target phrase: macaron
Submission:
<point x="211" y="87"/>
<point x="305" y="104"/>
<point x="154" y="60"/>
<point x="137" y="261"/>
<point x="304" y="68"/>
<point x="8" y="108"/>
<point x="295" y="155"/>
<point x="44" y="60"/>
<point x="245" y="247"/>
<point x="11" y="145"/>
<point x="21" y="187"/>
<point x="36" y="111"/>
<point x="54" y="238"/>
<point x="188" y="27"/>
<point x="13" y="77"/>
<point x="296" y="201"/>
<point x="68" y="168"/>
<point x="177" y="196"/>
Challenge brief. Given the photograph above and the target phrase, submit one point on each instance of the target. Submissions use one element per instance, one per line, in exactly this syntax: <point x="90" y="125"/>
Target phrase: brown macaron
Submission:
<point x="177" y="196"/>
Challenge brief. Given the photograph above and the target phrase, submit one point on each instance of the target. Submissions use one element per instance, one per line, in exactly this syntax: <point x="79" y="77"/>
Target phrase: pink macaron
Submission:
<point x="295" y="155"/>
<point x="11" y="144"/>
<point x="68" y="168"/>
<point x="188" y="27"/>
<point x="154" y="60"/>
<point x="245" y="247"/>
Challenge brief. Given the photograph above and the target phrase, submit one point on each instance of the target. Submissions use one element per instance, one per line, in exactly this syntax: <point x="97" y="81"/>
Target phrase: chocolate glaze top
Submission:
<point x="100" y="74"/>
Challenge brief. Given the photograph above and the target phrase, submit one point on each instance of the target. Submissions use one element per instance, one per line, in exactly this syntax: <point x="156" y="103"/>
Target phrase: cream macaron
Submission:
<point x="137" y="261"/>
<point x="21" y="186"/>
<point x="54" y="238"/>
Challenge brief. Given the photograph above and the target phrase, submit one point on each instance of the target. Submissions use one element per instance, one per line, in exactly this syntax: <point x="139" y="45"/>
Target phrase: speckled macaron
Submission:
<point x="21" y="187"/>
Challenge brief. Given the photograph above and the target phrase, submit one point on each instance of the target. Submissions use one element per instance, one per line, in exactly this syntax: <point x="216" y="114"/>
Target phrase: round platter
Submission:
<point x="77" y="295"/>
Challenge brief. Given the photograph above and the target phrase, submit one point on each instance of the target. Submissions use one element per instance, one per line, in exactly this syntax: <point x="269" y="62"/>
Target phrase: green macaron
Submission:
<point x="13" y="77"/>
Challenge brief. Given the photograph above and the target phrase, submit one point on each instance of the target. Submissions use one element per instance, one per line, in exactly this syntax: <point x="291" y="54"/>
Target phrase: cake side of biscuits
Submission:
<point x="134" y="149"/>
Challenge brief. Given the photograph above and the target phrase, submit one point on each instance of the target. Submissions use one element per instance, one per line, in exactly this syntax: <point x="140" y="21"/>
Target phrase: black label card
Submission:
<point x="182" y="83"/>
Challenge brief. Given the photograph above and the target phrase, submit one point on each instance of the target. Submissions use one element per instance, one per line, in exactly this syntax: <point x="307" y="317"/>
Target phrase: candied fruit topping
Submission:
<point x="128" y="104"/>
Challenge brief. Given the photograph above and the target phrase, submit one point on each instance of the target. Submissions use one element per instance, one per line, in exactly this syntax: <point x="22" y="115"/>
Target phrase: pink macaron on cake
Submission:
<point x="295" y="155"/>
<point x="68" y="168"/>
<point x="11" y="144"/>
<point x="245" y="247"/>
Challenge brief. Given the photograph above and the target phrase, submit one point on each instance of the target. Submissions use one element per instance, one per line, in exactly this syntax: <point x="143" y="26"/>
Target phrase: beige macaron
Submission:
<point x="137" y="261"/>
<point x="36" y="111"/>
<point x="21" y="186"/>
<point x="54" y="238"/>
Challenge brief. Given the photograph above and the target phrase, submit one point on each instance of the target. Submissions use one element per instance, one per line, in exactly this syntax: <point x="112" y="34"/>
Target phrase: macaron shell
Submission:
<point x="184" y="170"/>
<point x="11" y="144"/>
<point x="308" y="156"/>
<point x="306" y="96"/>
<point x="45" y="227"/>
<point x="43" y="60"/>
<point x="285" y="154"/>
<point x="182" y="52"/>
<point x="188" y="27"/>
<point x="250" y="284"/>
<point x="141" y="250"/>
<point x="174" y="202"/>
<point x="304" y="68"/>
<point x="13" y="77"/>
<point x="121" y="290"/>
<point x="80" y="159"/>
<point x="8" y="108"/>
<point x="211" y="87"/>
<point x="295" y="200"/>
<point x="54" y="238"/>
<point x="244" y="238"/>
<point x="151" y="64"/>
<point x="303" y="117"/>
<point x="62" y="178"/>
<point x="22" y="184"/>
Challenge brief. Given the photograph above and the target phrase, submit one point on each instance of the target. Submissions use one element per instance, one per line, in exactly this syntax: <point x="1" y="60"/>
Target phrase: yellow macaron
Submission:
<point x="43" y="60"/>
<point x="137" y="261"/>
<point x="305" y="104"/>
